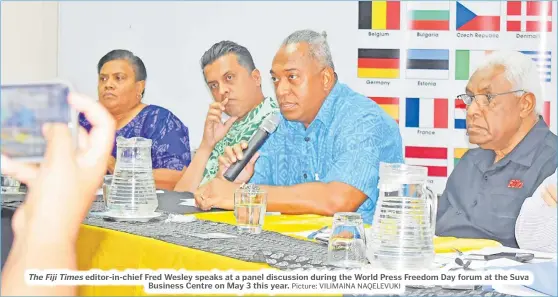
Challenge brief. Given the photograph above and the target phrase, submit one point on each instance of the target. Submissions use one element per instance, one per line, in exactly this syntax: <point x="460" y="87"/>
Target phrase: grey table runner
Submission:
<point x="275" y="249"/>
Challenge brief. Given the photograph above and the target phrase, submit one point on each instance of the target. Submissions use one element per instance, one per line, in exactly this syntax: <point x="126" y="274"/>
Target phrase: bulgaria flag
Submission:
<point x="433" y="158"/>
<point x="428" y="15"/>
<point x="478" y="15"/>
<point x="467" y="61"/>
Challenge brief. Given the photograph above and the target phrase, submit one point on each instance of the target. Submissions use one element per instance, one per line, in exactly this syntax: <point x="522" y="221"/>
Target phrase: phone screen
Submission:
<point x="24" y="110"/>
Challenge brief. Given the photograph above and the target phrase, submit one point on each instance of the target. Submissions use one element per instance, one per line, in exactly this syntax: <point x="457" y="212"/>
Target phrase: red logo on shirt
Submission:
<point x="516" y="184"/>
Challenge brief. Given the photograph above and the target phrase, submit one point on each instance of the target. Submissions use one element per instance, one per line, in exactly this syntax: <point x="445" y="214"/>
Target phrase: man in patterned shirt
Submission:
<point x="235" y="84"/>
<point x="324" y="156"/>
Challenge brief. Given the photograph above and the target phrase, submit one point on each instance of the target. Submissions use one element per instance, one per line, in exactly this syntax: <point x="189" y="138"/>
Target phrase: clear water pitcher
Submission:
<point x="132" y="192"/>
<point x="402" y="233"/>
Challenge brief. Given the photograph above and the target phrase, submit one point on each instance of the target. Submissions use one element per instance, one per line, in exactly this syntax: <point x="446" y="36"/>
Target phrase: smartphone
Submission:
<point x="25" y="108"/>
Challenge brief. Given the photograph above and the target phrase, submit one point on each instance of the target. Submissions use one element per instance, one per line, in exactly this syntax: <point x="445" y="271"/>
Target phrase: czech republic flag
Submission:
<point x="478" y="16"/>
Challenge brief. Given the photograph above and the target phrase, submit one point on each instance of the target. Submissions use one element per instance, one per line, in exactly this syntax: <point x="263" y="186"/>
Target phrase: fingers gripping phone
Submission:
<point x="25" y="108"/>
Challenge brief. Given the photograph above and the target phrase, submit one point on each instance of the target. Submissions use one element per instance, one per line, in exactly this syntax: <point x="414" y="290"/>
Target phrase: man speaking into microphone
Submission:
<point x="324" y="155"/>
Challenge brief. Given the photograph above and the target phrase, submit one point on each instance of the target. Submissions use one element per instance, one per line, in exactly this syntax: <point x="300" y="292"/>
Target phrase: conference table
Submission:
<point x="165" y="243"/>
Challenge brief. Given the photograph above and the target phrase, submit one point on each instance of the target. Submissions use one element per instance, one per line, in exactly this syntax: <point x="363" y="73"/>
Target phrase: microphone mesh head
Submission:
<point x="271" y="122"/>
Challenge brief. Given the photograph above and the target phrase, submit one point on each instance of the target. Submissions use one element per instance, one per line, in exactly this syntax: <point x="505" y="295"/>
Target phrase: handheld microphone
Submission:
<point x="267" y="127"/>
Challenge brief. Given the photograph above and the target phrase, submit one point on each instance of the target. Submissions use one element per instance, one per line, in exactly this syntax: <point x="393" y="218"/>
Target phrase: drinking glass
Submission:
<point x="347" y="242"/>
<point x="250" y="203"/>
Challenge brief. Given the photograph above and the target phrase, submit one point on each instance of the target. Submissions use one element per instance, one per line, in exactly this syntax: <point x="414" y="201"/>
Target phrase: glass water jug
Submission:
<point x="132" y="192"/>
<point x="402" y="233"/>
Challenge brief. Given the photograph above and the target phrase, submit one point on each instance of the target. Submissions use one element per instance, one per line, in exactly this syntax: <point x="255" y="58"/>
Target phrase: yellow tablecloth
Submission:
<point x="105" y="249"/>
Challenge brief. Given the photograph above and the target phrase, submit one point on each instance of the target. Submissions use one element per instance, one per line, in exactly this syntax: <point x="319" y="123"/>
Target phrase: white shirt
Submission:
<point x="536" y="228"/>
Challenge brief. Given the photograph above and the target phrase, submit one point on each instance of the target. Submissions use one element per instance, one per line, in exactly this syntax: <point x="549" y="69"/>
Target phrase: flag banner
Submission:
<point x="546" y="113"/>
<point x="428" y="15"/>
<point x="478" y="15"/>
<point x="426" y="113"/>
<point x="427" y="64"/>
<point x="390" y="105"/>
<point x="378" y="63"/>
<point x="379" y="15"/>
<point x="460" y="114"/>
<point x="467" y="61"/>
<point x="458" y="154"/>
<point x="434" y="158"/>
<point x="530" y="16"/>
<point x="543" y="59"/>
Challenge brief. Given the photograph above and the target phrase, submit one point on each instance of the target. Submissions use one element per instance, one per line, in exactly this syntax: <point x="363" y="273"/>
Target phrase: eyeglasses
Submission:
<point x="484" y="99"/>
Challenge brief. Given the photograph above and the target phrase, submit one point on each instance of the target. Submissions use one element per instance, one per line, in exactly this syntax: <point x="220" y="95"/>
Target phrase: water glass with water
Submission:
<point x="347" y="242"/>
<point x="250" y="203"/>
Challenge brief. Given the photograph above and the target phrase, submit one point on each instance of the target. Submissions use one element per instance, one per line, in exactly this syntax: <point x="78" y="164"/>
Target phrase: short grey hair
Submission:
<point x="318" y="46"/>
<point x="520" y="70"/>
<point x="120" y="54"/>
<point x="226" y="47"/>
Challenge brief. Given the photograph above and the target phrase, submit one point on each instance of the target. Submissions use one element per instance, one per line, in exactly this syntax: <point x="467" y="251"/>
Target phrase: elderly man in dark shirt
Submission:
<point x="517" y="151"/>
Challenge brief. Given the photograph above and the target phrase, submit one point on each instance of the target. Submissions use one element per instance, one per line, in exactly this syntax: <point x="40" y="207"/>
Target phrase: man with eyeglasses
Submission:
<point x="516" y="153"/>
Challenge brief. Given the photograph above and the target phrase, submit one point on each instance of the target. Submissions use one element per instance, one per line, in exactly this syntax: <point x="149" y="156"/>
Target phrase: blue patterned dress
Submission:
<point x="171" y="143"/>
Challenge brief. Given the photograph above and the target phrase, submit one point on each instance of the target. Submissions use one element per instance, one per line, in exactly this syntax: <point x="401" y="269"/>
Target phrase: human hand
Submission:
<point x="214" y="128"/>
<point x="218" y="193"/>
<point x="62" y="188"/>
<point x="233" y="154"/>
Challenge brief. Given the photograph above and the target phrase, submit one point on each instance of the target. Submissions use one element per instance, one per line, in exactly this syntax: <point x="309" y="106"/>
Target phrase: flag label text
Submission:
<point x="425" y="132"/>
<point x="478" y="35"/>
<point x="527" y="36"/>
<point x="378" y="34"/>
<point x="378" y="82"/>
<point x="426" y="83"/>
<point x="427" y="34"/>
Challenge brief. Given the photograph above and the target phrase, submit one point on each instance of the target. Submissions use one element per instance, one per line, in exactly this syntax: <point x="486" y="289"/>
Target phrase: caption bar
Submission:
<point x="274" y="282"/>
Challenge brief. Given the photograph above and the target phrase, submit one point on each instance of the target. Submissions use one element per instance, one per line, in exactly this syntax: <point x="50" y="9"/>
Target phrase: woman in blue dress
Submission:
<point x="121" y="86"/>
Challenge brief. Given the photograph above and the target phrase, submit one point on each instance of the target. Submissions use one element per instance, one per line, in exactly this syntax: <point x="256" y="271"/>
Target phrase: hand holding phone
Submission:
<point x="26" y="108"/>
<point x="67" y="180"/>
<point x="61" y="190"/>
